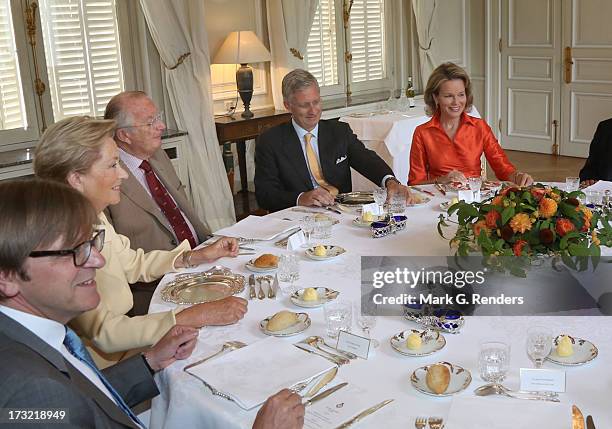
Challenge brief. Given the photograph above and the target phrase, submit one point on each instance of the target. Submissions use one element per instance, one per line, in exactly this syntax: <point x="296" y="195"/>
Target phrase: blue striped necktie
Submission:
<point x="76" y="348"/>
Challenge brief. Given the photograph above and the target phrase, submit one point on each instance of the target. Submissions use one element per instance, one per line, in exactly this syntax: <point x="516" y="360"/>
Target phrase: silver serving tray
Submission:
<point x="355" y="198"/>
<point x="196" y="288"/>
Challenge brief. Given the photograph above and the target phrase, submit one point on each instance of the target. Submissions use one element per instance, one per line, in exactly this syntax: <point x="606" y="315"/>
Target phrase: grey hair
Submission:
<point x="115" y="109"/>
<point x="297" y="80"/>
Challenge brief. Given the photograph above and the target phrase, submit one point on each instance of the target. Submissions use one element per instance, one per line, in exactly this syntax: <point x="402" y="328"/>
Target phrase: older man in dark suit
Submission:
<point x="47" y="277"/>
<point x="598" y="165"/>
<point x="307" y="161"/>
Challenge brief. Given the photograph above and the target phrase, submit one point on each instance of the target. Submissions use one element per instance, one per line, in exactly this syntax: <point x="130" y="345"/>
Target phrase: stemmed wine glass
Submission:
<point x="475" y="183"/>
<point x="307" y="224"/>
<point x="366" y="322"/>
<point x="380" y="196"/>
<point x="494" y="361"/>
<point x="539" y="344"/>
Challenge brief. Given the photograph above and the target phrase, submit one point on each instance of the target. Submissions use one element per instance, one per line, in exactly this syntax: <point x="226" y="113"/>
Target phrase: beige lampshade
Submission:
<point x="241" y="47"/>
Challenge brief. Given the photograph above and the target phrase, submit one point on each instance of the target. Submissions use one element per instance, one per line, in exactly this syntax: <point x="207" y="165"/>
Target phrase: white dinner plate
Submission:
<point x="301" y="325"/>
<point x="251" y="267"/>
<point x="584" y="351"/>
<point x="431" y="343"/>
<point x="331" y="252"/>
<point x="324" y="295"/>
<point x="460" y="379"/>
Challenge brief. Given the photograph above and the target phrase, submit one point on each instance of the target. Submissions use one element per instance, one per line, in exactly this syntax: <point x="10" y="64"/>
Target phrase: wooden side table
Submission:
<point x="238" y="129"/>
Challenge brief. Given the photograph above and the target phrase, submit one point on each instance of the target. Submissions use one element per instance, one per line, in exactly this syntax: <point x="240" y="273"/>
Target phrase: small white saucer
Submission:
<point x="331" y="252"/>
<point x="325" y="295"/>
<point x="398" y="342"/>
<point x="301" y="325"/>
<point x="460" y="379"/>
<point x="584" y="351"/>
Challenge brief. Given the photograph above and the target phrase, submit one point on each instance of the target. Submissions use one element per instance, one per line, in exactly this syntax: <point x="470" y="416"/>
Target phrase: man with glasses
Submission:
<point x="154" y="212"/>
<point x="49" y="254"/>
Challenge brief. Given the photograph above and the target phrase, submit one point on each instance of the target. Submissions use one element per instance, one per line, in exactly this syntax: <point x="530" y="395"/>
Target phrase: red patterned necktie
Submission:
<point x="167" y="206"/>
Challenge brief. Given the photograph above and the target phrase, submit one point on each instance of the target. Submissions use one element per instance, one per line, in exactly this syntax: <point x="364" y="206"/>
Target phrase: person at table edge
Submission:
<point x="47" y="277"/>
<point x="307" y="161"/>
<point x="598" y="165"/>
<point x="449" y="146"/>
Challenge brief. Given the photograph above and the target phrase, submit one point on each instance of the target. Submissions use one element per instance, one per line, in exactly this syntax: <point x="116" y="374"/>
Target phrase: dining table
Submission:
<point x="185" y="402"/>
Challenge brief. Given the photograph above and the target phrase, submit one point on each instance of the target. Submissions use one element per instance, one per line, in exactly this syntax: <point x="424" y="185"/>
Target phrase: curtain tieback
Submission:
<point x="296" y="53"/>
<point x="179" y="61"/>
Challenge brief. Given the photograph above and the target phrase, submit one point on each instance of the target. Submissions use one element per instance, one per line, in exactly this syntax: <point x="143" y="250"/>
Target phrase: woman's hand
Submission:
<point x="521" y="179"/>
<point x="453" y="176"/>
<point x="225" y="246"/>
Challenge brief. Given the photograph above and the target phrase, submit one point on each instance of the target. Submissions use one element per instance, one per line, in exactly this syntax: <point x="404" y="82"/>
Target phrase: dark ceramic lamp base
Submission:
<point x="244" y="82"/>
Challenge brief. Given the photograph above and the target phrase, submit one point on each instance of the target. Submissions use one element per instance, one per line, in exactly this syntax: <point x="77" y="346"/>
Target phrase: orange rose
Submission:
<point x="491" y="218"/>
<point x="517" y="249"/>
<point x="587" y="213"/>
<point x="498" y="200"/>
<point x="547" y="208"/>
<point x="479" y="226"/>
<point x="563" y="226"/>
<point x="520" y="223"/>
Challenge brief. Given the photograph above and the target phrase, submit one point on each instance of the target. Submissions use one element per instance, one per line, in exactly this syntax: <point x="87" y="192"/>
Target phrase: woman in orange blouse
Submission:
<point x="448" y="147"/>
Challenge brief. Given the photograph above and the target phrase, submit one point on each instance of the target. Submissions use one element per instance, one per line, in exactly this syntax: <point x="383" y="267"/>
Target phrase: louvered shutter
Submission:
<point x="12" y="111"/>
<point x="83" y="55"/>
<point x="320" y="58"/>
<point x="367" y="41"/>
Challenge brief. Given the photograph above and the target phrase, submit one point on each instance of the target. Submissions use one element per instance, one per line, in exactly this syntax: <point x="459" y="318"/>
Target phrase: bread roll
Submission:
<point x="438" y="378"/>
<point x="267" y="260"/>
<point x="282" y="320"/>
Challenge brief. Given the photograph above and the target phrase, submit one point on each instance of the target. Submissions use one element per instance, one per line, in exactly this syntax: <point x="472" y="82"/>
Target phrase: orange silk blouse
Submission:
<point x="433" y="154"/>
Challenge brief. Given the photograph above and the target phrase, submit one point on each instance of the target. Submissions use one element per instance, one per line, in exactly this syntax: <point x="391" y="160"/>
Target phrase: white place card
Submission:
<point x="373" y="208"/>
<point x="353" y="343"/>
<point x="295" y="241"/>
<point x="542" y="380"/>
<point x="466" y="196"/>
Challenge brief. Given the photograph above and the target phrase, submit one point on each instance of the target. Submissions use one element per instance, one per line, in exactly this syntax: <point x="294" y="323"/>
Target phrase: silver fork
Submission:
<point x="261" y="294"/>
<point x="435" y="423"/>
<point x="420" y="423"/>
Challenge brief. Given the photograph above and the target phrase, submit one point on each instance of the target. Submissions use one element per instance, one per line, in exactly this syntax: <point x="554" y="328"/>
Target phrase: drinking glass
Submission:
<point x="366" y="322"/>
<point x="338" y="317"/>
<point x="397" y="204"/>
<point x="539" y="343"/>
<point x="323" y="229"/>
<point x="494" y="361"/>
<point x="307" y="224"/>
<point x="475" y="183"/>
<point x="288" y="271"/>
<point x="594" y="198"/>
<point x="380" y="196"/>
<point x="572" y="184"/>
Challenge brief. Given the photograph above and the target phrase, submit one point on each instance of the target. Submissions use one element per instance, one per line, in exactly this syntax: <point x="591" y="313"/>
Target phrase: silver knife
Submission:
<point x="590" y="423"/>
<point x="252" y="293"/>
<point x="273" y="287"/>
<point x="324" y="394"/>
<point x="261" y="294"/>
<point x="365" y="413"/>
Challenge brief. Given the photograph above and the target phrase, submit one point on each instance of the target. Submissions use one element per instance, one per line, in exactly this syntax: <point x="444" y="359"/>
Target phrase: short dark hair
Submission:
<point x="35" y="213"/>
<point x="443" y="73"/>
<point x="297" y="80"/>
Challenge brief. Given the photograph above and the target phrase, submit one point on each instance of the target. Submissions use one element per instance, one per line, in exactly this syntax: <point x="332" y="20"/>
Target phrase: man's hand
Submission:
<point x="587" y="182"/>
<point x="453" y="176"/>
<point x="225" y="246"/>
<point x="521" y="179"/>
<point x="283" y="410"/>
<point x="223" y="312"/>
<point x="319" y="197"/>
<point x="396" y="188"/>
<point x="177" y="344"/>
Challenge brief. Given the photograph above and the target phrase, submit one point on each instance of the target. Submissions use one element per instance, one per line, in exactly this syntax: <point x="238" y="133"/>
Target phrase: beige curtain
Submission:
<point x="425" y="17"/>
<point x="177" y="28"/>
<point x="289" y="23"/>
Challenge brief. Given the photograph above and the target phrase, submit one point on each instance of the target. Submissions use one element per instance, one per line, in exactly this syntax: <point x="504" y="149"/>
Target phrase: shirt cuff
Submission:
<point x="384" y="180"/>
<point x="298" y="199"/>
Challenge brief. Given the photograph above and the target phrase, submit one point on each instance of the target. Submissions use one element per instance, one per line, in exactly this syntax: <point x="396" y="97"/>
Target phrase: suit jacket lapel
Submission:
<point x="326" y="151"/>
<point x="293" y="151"/>
<point x="22" y="335"/>
<point x="133" y="190"/>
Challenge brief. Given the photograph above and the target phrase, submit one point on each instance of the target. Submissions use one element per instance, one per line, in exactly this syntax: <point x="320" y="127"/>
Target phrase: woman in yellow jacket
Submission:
<point x="81" y="152"/>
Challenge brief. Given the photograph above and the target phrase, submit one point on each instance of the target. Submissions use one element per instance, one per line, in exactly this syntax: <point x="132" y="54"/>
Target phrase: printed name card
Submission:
<point x="295" y="241"/>
<point x="353" y="343"/>
<point x="468" y="196"/>
<point x="373" y="208"/>
<point x="542" y="380"/>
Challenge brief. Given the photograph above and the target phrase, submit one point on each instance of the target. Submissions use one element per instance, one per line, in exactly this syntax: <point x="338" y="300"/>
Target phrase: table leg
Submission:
<point x="241" y="149"/>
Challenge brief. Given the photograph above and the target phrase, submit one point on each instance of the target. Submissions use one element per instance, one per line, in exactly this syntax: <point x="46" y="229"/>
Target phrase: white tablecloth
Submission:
<point x="390" y="136"/>
<point x="185" y="402"/>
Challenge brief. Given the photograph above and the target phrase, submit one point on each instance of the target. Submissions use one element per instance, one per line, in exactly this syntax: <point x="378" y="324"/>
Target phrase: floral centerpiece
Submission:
<point x="529" y="222"/>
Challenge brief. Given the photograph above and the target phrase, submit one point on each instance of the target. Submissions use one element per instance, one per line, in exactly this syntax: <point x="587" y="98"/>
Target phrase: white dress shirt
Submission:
<point x="53" y="333"/>
<point x="133" y="164"/>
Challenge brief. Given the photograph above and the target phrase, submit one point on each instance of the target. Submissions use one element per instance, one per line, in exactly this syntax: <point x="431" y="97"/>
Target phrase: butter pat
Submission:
<point x="367" y="217"/>
<point x="310" y="294"/>
<point x="320" y="250"/>
<point x="565" y="347"/>
<point x="414" y="342"/>
<point x="454" y="201"/>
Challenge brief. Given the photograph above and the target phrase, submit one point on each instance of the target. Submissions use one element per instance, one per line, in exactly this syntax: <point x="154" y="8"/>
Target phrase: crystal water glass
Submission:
<point x="338" y="317"/>
<point x="366" y="322"/>
<point x="572" y="184"/>
<point x="397" y="204"/>
<point x="323" y="229"/>
<point x="594" y="198"/>
<point x="307" y="224"/>
<point x="494" y="361"/>
<point x="288" y="271"/>
<point x="475" y="184"/>
<point x="539" y="344"/>
<point x="380" y="196"/>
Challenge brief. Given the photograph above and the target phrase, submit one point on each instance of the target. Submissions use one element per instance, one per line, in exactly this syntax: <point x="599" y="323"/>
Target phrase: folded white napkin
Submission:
<point x="600" y="186"/>
<point x="258" y="228"/>
<point x="253" y="373"/>
<point x="507" y="413"/>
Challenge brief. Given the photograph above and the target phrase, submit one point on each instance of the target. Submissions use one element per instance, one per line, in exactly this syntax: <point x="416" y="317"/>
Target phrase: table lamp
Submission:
<point x="243" y="47"/>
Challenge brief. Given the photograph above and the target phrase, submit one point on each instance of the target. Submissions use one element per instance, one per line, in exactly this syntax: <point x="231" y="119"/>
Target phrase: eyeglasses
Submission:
<point x="80" y="254"/>
<point x="150" y="123"/>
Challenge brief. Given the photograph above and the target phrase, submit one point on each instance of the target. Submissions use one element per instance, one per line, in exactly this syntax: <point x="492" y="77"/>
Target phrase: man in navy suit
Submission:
<point x="598" y="165"/>
<point x="307" y="161"/>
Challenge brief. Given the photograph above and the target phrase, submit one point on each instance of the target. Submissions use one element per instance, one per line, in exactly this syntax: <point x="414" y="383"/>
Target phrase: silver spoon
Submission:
<point x="318" y="342"/>
<point x="230" y="345"/>
<point x="498" y="389"/>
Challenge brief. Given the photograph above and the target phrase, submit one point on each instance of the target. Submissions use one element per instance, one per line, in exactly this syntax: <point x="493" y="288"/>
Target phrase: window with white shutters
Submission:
<point x="367" y="40"/>
<point x="321" y="50"/>
<point x="12" y="107"/>
<point x="83" y="55"/>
